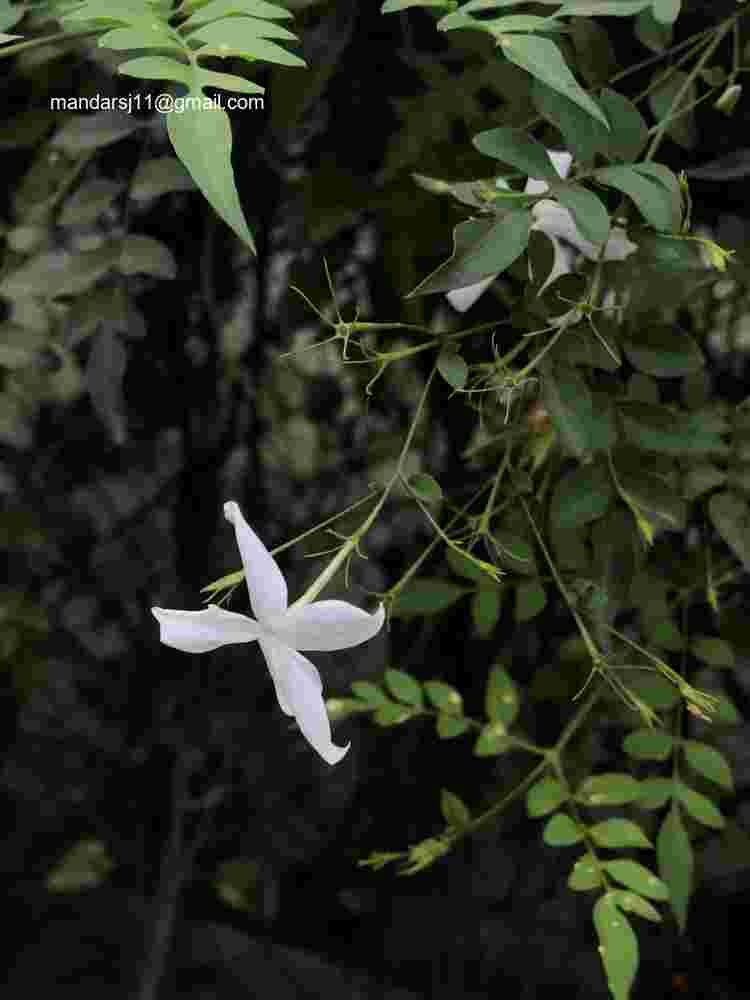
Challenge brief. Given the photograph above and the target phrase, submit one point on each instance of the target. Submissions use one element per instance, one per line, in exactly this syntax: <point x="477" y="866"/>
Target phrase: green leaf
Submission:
<point x="544" y="797"/>
<point x="618" y="947"/>
<point x="158" y="68"/>
<point x="10" y="15"/>
<point x="203" y="141"/>
<point x="664" y="351"/>
<point x="392" y="6"/>
<point x="715" y="652"/>
<point x="676" y="863"/>
<point x="633" y="903"/>
<point x="105" y="369"/>
<point x="138" y="38"/>
<point x="674" y="256"/>
<point x="602" y="8"/>
<point x="655" y="501"/>
<point x="582" y="135"/>
<point x="561" y="831"/>
<point x="531" y="599"/>
<point x="518" y="149"/>
<point x="655" y="793"/>
<point x="457" y="18"/>
<point x="492" y="740"/>
<point x="595" y="56"/>
<point x="392" y="714"/>
<point x="449" y="726"/>
<point x="543" y="60"/>
<point x="569" y="403"/>
<point x="88" y="202"/>
<point x="725" y="712"/>
<point x="637" y="877"/>
<point x="730" y="515"/>
<point x="590" y="215"/>
<point x="616" y="553"/>
<point x="650" y="33"/>
<point x="427" y="596"/>
<point x="651" y="199"/>
<point x="584" y="875"/>
<point x="444" y="697"/>
<point x="520" y="23"/>
<point x="427" y="489"/>
<point x="85" y="133"/>
<point x="582" y="495"/>
<point x="404" y="687"/>
<point x="671" y="432"/>
<point x="700" y="478"/>
<point x="46" y="276"/>
<point x="220" y="42"/>
<point x="581" y="346"/>
<point x="628" y="131"/>
<point x="453" y="368"/>
<point x="19" y="346"/>
<point x="657" y="692"/>
<point x="215" y="9"/>
<point x="161" y="175"/>
<point x="514" y="553"/>
<point x="700" y="807"/>
<point x="611" y="789"/>
<point x="481" y="247"/>
<point x="84" y="866"/>
<point x="709" y="762"/>
<point x="238" y="884"/>
<point x="455" y="812"/>
<point x="145" y="255"/>
<point x="649" y="744"/>
<point x="662" y="175"/>
<point x="501" y="699"/>
<point x="666" y="11"/>
<point x="465" y="567"/>
<point x="485" y="610"/>
<point x="619" y="833"/>
<point x="370" y="693"/>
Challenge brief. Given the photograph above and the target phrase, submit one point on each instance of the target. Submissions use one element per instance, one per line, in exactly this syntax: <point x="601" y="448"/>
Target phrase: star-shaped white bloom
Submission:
<point x="281" y="631"/>
<point x="558" y="224"/>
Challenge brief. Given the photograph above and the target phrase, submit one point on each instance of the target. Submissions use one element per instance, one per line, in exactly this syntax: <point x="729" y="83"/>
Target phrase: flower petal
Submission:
<point x="535" y="186"/>
<point x="265" y="581"/>
<point x="561" y="162"/>
<point x="327" y="625"/>
<point x="554" y="220"/>
<point x="464" y="298"/>
<point x="276" y="676"/>
<point x="303" y="692"/>
<point x="563" y="262"/>
<point x="202" y="631"/>
<point x="618" y="245"/>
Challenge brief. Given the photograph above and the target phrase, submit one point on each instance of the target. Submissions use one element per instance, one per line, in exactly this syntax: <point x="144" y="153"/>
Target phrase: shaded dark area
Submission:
<point x="179" y="764"/>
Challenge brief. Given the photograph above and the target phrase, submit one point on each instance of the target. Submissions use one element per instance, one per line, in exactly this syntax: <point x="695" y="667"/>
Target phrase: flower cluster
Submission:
<point x="558" y="224"/>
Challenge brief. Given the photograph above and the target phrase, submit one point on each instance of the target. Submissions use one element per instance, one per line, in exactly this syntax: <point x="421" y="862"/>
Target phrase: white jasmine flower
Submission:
<point x="281" y="632"/>
<point x="558" y="224"/>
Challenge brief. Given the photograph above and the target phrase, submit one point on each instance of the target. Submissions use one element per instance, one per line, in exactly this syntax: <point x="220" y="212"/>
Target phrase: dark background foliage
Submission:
<point x="178" y="764"/>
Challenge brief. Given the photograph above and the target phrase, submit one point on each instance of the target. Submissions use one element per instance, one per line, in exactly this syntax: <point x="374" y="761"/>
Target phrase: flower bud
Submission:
<point x="727" y="102"/>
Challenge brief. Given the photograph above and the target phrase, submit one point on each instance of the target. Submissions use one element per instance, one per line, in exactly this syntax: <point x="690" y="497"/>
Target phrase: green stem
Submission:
<point x="60" y="36"/>
<point x="353" y="541"/>
<point x="690" y="79"/>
